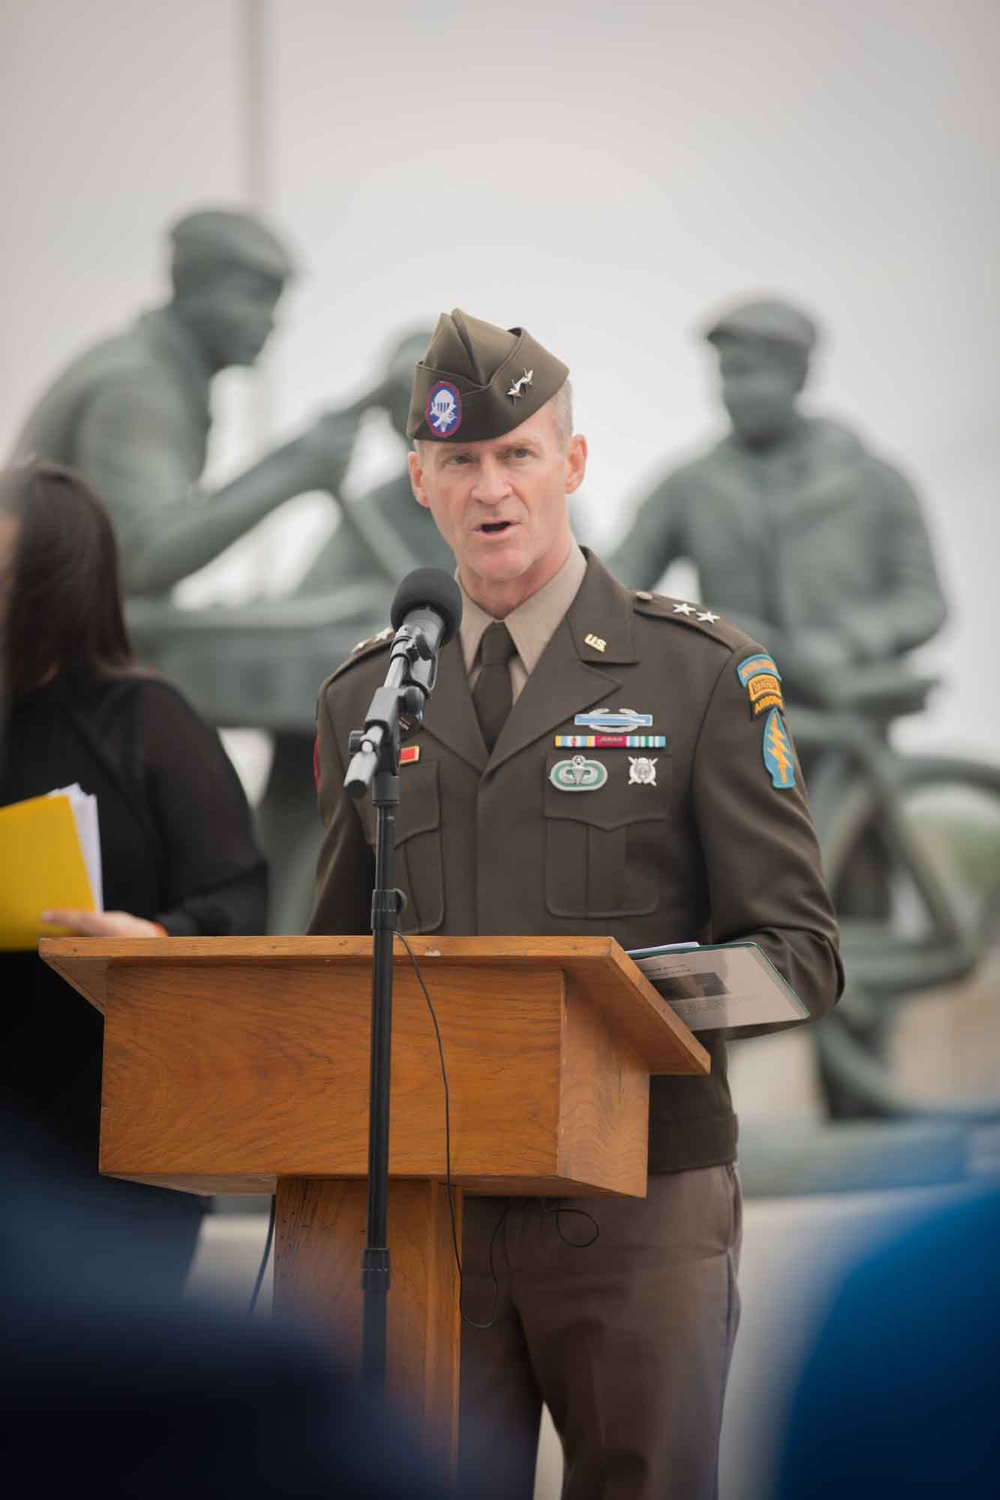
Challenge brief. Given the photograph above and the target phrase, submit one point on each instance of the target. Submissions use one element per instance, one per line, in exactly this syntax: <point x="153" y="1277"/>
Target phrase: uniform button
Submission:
<point x="642" y="594"/>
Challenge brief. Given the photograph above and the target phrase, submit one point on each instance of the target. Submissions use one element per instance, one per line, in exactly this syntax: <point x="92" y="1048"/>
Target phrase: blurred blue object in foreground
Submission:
<point x="900" y="1391"/>
<point x="106" y="1388"/>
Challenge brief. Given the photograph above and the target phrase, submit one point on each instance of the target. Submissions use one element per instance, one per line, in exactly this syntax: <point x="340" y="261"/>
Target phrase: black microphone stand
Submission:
<point x="375" y="762"/>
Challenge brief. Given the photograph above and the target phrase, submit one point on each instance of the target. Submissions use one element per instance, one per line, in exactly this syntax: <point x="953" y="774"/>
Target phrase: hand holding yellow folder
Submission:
<point x="50" y="856"/>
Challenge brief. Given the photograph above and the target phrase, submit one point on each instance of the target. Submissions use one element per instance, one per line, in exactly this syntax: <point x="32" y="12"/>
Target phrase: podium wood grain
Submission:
<point x="241" y="1065"/>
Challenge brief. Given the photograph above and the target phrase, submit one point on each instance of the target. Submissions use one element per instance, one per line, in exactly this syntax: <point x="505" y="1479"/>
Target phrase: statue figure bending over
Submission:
<point x="132" y="414"/>
<point x="802" y="536"/>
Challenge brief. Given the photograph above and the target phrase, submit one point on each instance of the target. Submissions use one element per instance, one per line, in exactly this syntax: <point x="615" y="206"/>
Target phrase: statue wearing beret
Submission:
<point x="133" y="414"/>
<point x="518" y="815"/>
<point x="806" y="539"/>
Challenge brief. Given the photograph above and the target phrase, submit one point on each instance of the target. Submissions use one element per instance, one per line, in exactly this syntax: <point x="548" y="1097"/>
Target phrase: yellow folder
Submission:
<point x="41" y="866"/>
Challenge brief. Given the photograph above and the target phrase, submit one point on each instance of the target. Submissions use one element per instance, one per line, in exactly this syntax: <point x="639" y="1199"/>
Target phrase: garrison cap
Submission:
<point x="479" y="381"/>
<point x="768" y="320"/>
<point x="215" y="237"/>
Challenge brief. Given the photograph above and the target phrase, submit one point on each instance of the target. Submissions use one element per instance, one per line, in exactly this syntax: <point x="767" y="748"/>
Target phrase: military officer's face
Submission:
<point x="500" y="504"/>
<point x="759" y="390"/>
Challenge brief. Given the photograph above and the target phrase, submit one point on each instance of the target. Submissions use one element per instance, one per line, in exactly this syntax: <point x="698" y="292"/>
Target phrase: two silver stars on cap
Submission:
<point x="691" y="609"/>
<point x="517" y="389"/>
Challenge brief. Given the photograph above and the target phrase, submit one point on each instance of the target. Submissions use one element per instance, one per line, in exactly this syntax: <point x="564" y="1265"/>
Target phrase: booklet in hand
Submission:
<point x="731" y="987"/>
<point x="50" y="856"/>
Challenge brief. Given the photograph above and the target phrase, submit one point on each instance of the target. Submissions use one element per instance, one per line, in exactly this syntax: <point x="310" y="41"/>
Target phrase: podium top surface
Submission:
<point x="598" y="967"/>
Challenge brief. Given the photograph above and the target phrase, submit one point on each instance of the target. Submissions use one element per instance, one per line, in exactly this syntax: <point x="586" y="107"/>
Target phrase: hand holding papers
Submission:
<point x="50" y="856"/>
<point x="731" y="987"/>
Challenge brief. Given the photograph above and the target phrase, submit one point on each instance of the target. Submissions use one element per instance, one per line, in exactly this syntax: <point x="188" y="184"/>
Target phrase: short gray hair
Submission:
<point x="562" y="411"/>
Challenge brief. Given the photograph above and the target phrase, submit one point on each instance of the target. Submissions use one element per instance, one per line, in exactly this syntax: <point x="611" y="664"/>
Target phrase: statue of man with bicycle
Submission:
<point x="813" y="545"/>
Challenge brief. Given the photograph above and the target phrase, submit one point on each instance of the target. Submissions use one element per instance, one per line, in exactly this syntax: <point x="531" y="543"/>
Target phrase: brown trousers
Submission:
<point x="627" y="1339"/>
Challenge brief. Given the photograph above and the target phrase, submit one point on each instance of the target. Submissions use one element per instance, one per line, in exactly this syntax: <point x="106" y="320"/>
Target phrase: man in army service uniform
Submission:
<point x="519" y="815"/>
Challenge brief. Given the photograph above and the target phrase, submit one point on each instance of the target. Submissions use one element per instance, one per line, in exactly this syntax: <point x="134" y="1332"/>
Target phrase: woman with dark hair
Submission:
<point x="177" y="846"/>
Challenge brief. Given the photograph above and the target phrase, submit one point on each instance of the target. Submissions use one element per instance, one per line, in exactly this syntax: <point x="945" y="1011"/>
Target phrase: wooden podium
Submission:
<point x="240" y="1065"/>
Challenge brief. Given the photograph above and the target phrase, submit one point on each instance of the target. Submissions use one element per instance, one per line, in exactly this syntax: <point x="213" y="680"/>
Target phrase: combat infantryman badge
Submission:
<point x="603" y="718"/>
<point x="642" y="771"/>
<point x="778" y="756"/>
<point x="578" y="774"/>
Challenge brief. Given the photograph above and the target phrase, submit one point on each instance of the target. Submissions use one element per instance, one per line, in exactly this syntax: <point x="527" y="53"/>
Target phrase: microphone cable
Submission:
<point x="557" y="1208"/>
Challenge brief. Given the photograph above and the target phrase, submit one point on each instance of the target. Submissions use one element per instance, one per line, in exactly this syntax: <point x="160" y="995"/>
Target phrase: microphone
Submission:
<point x="427" y="610"/>
<point x="425" y="614"/>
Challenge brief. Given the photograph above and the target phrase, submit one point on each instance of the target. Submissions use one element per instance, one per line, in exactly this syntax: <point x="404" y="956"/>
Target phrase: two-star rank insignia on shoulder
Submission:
<point x="363" y="649"/>
<point x="373" y="640"/>
<point x="683" y="612"/>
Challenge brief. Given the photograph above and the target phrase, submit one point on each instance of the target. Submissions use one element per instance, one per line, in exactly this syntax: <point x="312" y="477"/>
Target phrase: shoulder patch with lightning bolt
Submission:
<point x="778" y="757"/>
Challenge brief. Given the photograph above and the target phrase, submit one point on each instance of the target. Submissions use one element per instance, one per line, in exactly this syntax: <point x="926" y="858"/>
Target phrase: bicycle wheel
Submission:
<point x="928" y="972"/>
<point x="938" y="838"/>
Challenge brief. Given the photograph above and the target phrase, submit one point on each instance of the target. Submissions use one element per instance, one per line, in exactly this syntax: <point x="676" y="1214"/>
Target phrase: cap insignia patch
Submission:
<point x="517" y="389"/>
<point x="444" y="408"/>
<point x="578" y="774"/>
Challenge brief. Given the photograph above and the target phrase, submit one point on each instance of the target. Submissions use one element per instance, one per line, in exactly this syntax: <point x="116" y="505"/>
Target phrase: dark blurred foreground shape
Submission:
<point x="106" y="1388"/>
<point x="900" y="1392"/>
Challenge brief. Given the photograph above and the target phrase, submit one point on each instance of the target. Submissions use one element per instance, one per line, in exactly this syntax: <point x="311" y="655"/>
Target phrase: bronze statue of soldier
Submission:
<point x="799" y="533"/>
<point x="133" y="414"/>
<point x="803" y="537"/>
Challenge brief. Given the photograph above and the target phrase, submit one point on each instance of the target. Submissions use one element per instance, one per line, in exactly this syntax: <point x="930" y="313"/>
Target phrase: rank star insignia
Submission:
<point x="684" y="609"/>
<point x="708" y="615"/>
<point x="642" y="770"/>
<point x="517" y="389"/>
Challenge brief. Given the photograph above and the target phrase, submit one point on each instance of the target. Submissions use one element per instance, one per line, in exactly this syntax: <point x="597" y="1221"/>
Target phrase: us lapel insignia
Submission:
<point x="778" y="756"/>
<point x="578" y="774"/>
<point x="595" y="642"/>
<point x="762" y="680"/>
<point x="642" y="770"/>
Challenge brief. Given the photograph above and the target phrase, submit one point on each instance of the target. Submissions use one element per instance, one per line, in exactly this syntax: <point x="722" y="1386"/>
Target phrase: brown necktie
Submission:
<point x="492" y="696"/>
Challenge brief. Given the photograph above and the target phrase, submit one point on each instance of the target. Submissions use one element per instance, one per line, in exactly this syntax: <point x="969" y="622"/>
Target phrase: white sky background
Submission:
<point x="603" y="175"/>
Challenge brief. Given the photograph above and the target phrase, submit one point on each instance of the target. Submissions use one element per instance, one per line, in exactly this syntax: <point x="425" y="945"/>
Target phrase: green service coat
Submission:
<point x="709" y="850"/>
